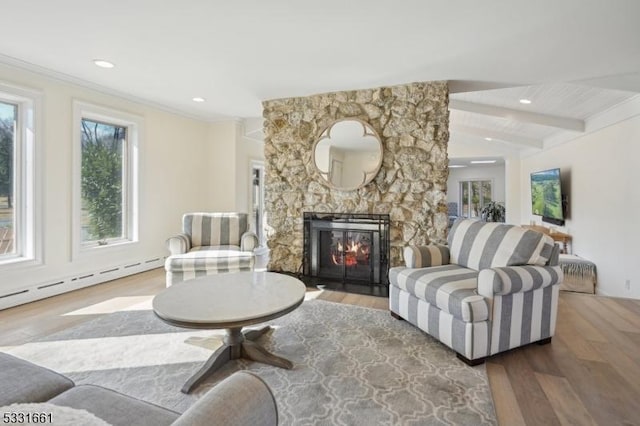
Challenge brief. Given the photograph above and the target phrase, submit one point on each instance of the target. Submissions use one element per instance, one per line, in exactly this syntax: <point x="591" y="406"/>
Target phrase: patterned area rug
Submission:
<point x="352" y="366"/>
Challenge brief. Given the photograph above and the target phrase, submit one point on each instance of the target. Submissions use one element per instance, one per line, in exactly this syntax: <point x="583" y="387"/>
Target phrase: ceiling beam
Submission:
<point x="517" y="115"/>
<point x="463" y="86"/>
<point x="519" y="141"/>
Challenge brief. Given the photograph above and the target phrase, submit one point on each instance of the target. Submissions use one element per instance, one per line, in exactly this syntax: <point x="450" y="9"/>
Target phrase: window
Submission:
<point x="106" y="164"/>
<point x="8" y="119"/>
<point x="474" y="194"/>
<point x="18" y="168"/>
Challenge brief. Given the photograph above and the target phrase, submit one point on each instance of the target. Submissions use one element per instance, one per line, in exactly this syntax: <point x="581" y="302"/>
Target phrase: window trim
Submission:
<point x="135" y="127"/>
<point x="28" y="161"/>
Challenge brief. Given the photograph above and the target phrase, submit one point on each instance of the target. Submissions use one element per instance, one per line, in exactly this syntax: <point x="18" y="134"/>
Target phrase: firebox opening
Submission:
<point x="349" y="248"/>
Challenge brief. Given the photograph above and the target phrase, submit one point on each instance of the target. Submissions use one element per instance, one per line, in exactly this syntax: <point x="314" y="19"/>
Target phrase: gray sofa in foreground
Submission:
<point x="241" y="399"/>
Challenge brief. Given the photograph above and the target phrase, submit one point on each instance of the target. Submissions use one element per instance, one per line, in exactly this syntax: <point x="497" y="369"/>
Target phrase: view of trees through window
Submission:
<point x="102" y="183"/>
<point x="8" y="117"/>
<point x="474" y="195"/>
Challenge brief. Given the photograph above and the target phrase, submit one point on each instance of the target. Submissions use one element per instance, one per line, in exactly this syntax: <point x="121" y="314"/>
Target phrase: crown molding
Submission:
<point x="69" y="79"/>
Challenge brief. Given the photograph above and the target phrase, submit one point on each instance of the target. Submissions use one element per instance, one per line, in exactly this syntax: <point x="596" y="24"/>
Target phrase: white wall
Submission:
<point x="604" y="201"/>
<point x="512" y="187"/>
<point x="221" y="180"/>
<point x="173" y="175"/>
<point x="230" y="154"/>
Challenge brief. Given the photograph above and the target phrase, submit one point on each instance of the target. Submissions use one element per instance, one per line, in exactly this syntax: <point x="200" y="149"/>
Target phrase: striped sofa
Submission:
<point x="210" y="243"/>
<point x="493" y="288"/>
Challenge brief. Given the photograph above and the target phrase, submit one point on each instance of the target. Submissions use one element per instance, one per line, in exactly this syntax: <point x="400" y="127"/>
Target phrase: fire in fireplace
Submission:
<point x="349" y="248"/>
<point x="352" y="253"/>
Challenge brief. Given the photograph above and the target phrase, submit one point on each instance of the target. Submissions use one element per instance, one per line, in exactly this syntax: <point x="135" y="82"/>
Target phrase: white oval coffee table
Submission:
<point x="231" y="301"/>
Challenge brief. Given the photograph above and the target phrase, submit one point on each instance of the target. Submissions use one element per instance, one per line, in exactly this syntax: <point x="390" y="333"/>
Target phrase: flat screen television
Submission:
<point x="546" y="196"/>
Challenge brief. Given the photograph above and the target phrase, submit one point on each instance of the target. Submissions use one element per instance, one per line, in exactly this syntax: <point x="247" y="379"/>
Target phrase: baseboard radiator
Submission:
<point x="74" y="282"/>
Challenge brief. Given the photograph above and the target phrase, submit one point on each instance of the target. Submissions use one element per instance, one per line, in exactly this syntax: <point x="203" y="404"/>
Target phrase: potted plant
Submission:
<point x="493" y="211"/>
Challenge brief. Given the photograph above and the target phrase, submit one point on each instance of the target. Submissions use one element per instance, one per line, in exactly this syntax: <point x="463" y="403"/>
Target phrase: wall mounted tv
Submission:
<point x="546" y="196"/>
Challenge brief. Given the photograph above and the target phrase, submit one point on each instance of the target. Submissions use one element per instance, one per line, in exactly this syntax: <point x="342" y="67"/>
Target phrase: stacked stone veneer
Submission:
<point x="413" y="122"/>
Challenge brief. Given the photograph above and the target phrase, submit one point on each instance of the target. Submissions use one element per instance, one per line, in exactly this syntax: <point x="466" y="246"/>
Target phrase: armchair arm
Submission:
<point x="248" y="241"/>
<point x="179" y="244"/>
<point x="423" y="256"/>
<point x="242" y="399"/>
<point x="516" y="279"/>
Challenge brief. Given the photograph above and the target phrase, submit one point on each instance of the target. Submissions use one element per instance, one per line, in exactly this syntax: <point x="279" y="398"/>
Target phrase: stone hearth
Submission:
<point x="412" y="121"/>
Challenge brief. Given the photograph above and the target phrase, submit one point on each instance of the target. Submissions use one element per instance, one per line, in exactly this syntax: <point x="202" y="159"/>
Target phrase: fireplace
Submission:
<point x="347" y="248"/>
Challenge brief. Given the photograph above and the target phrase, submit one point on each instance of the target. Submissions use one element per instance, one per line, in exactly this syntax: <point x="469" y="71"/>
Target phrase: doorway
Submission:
<point x="258" y="216"/>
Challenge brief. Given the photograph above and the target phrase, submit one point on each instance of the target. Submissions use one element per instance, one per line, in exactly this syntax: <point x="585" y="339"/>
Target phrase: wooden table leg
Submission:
<point x="255" y="352"/>
<point x="254" y="334"/>
<point x="230" y="349"/>
<point x="237" y="344"/>
<point x="215" y="361"/>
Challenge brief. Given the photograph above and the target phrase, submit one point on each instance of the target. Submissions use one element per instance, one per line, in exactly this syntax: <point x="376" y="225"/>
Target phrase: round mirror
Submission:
<point x="348" y="154"/>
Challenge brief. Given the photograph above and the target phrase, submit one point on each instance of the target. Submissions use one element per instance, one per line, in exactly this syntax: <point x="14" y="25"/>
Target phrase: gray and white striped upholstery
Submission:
<point x="470" y="339"/>
<point x="201" y="261"/>
<point x="178" y="244"/>
<point x="516" y="279"/>
<point x="451" y="288"/>
<point x="211" y="243"/>
<point x="215" y="229"/>
<point x="500" y="290"/>
<point x="522" y="318"/>
<point x="479" y="245"/>
<point x="422" y="256"/>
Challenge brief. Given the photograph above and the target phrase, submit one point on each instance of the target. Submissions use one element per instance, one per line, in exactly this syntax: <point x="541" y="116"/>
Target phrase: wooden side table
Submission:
<point x="560" y="237"/>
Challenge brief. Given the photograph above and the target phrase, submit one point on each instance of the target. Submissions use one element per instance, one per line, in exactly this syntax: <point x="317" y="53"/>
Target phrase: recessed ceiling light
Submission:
<point x="482" y="161"/>
<point x="456" y="166"/>
<point x="488" y="139"/>
<point x="198" y="99"/>
<point x="103" y="64"/>
<point x="525" y="101"/>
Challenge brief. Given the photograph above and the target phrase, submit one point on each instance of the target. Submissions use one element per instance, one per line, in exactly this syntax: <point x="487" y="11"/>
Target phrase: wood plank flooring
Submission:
<point x="588" y="375"/>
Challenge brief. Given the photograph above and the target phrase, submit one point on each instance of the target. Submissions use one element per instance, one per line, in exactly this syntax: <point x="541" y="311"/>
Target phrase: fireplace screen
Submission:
<point x="347" y="248"/>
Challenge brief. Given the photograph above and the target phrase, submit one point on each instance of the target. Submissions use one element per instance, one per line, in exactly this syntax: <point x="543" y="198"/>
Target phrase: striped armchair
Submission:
<point x="493" y="288"/>
<point x="210" y="243"/>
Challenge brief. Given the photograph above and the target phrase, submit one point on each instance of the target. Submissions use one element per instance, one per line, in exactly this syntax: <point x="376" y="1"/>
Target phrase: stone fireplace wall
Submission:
<point x="413" y="122"/>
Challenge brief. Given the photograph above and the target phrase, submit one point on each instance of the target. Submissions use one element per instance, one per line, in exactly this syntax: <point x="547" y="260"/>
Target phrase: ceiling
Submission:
<point x="572" y="58"/>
